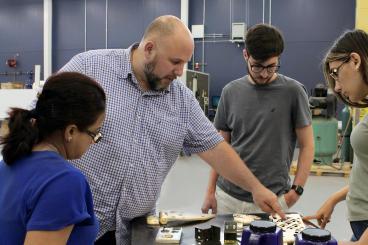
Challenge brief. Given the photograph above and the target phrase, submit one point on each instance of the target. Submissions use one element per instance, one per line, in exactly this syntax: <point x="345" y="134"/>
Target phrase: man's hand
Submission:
<point x="267" y="201"/>
<point x="291" y="198"/>
<point x="209" y="202"/>
<point x="323" y="215"/>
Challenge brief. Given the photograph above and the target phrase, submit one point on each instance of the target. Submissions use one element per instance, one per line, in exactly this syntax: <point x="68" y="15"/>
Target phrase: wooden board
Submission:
<point x="335" y="169"/>
<point x="4" y="128"/>
<point x="169" y="216"/>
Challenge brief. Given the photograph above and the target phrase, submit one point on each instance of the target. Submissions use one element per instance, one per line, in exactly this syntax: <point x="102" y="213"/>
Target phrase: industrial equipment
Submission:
<point x="324" y="123"/>
<point x="199" y="83"/>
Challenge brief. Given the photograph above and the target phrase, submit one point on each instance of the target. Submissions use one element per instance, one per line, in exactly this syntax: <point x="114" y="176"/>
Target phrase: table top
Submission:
<point x="144" y="234"/>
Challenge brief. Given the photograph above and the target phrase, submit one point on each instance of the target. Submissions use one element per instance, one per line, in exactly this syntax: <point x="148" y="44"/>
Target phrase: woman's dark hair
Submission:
<point x="349" y="42"/>
<point x="67" y="98"/>
<point x="263" y="42"/>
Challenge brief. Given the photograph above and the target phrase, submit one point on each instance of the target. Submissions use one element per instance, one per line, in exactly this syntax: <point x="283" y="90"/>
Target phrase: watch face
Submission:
<point x="298" y="189"/>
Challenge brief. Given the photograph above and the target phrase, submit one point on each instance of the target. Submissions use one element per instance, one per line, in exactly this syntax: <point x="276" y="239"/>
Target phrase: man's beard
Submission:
<point x="154" y="81"/>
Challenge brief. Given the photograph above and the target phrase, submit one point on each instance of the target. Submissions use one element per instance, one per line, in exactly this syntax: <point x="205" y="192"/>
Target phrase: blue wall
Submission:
<point x="21" y="24"/>
<point x="126" y="22"/>
<point x="309" y="27"/>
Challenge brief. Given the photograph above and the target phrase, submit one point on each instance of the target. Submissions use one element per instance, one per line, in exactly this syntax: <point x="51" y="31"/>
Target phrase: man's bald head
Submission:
<point x="163" y="26"/>
<point x="167" y="45"/>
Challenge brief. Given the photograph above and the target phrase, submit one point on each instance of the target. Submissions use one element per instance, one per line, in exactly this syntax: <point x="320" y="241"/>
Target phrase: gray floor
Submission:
<point x="186" y="184"/>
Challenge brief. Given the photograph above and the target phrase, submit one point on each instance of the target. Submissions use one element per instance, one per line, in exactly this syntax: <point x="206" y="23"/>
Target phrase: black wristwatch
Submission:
<point x="298" y="189"/>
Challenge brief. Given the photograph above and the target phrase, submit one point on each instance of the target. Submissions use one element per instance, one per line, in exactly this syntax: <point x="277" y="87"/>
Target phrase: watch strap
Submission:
<point x="298" y="189"/>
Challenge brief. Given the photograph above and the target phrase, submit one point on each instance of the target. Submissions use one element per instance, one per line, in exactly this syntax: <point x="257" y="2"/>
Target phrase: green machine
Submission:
<point x="325" y="125"/>
<point x="325" y="139"/>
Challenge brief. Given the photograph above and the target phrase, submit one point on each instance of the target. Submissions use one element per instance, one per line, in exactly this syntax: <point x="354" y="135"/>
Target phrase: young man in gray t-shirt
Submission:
<point x="262" y="115"/>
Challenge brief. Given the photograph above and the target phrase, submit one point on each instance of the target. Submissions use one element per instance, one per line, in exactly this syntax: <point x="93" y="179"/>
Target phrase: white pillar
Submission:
<point x="184" y="16"/>
<point x="184" y="11"/>
<point x="47" y="38"/>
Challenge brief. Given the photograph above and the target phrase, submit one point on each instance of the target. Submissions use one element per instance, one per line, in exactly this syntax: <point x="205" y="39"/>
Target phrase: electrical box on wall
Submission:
<point x="238" y="31"/>
<point x="198" y="31"/>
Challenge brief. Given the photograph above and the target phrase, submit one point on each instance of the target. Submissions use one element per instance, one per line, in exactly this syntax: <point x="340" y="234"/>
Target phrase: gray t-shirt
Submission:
<point x="262" y="120"/>
<point x="357" y="198"/>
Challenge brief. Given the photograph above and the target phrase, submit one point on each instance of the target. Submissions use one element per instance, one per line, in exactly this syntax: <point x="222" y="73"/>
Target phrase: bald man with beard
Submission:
<point x="151" y="118"/>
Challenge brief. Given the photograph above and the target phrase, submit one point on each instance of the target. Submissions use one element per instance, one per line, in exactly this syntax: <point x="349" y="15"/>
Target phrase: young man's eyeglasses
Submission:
<point x="96" y="137"/>
<point x="258" y="68"/>
<point x="334" y="73"/>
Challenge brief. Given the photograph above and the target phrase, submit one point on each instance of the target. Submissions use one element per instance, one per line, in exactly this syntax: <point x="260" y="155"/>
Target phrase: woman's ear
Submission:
<point x="355" y="57"/>
<point x="70" y="132"/>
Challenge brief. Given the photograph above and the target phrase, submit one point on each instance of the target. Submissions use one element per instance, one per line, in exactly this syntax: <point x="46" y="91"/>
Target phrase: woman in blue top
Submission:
<point x="43" y="198"/>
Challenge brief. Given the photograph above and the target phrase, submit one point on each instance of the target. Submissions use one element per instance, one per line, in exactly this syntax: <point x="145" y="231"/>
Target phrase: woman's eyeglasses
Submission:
<point x="96" y="137"/>
<point x="259" y="68"/>
<point x="334" y="73"/>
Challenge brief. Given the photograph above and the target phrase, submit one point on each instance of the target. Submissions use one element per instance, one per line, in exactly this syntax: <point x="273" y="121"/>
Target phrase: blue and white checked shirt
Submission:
<point x="143" y="135"/>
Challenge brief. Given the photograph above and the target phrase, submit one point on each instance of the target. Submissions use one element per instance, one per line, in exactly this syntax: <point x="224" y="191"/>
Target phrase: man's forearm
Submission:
<point x="212" y="182"/>
<point x="228" y="164"/>
<point x="211" y="189"/>
<point x="305" y="159"/>
<point x="339" y="195"/>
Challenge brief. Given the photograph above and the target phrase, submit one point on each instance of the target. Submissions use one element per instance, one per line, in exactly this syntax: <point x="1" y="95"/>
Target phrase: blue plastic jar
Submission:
<point x="315" y="236"/>
<point x="262" y="232"/>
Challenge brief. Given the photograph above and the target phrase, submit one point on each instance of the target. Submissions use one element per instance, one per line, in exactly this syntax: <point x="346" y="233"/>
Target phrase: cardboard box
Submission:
<point x="12" y="85"/>
<point x="4" y="129"/>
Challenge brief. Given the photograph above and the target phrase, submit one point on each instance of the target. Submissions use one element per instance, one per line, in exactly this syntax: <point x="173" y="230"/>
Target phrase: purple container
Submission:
<point x="262" y="232"/>
<point x="315" y="236"/>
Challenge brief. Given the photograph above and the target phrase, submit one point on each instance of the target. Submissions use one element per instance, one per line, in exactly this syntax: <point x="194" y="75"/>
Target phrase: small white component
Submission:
<point x="169" y="235"/>
<point x="37" y="75"/>
<point x="238" y="31"/>
<point x="245" y="219"/>
<point x="198" y="31"/>
<point x="153" y="220"/>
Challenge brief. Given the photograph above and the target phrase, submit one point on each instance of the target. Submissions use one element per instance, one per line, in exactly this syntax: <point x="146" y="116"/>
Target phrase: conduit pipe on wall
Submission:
<point x="204" y="21"/>
<point x="270" y="13"/>
<point x="85" y="25"/>
<point x="106" y="26"/>
<point x="263" y="11"/>
<point x="231" y="17"/>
